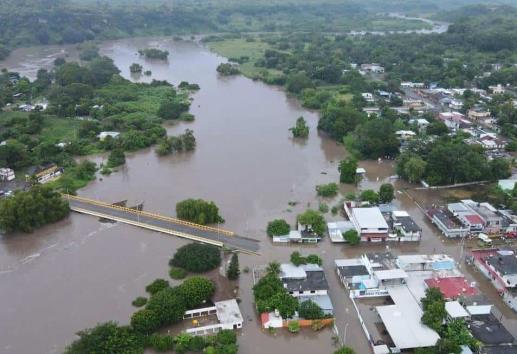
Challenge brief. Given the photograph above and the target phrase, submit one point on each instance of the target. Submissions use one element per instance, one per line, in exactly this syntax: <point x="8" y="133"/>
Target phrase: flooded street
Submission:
<point x="76" y="273"/>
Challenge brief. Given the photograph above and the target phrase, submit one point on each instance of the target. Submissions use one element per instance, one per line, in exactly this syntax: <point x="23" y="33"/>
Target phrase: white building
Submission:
<point x="369" y="223"/>
<point x="228" y="317"/>
<point x="104" y="135"/>
<point x="337" y="228"/>
<point x="6" y="174"/>
<point x="368" y="97"/>
<point x="497" y="89"/>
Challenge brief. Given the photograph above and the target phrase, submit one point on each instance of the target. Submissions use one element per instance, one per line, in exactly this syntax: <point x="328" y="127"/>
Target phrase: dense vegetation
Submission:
<point x="312" y="221"/>
<point x="26" y="211"/>
<point x="198" y="211"/>
<point x="33" y="22"/>
<point x="233" y="270"/>
<point x="83" y="102"/>
<point x="197" y="257"/>
<point x="453" y="333"/>
<point x="327" y="190"/>
<point x="297" y="259"/>
<point x="300" y="130"/>
<point x="154" y="53"/>
<point x="278" y="227"/>
<point x="449" y="161"/>
<point x="165" y="306"/>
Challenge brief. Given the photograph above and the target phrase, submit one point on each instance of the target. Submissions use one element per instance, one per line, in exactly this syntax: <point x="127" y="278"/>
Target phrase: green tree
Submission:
<point x="278" y="227"/>
<point x="233" y="269"/>
<point x="136" y="68"/>
<point x="370" y="196"/>
<point x="386" y="193"/>
<point x="345" y="350"/>
<point x="145" y="321"/>
<point x="376" y="138"/>
<point x="198" y="211"/>
<point x="297" y="82"/>
<point x="327" y="190"/>
<point x="168" y="305"/>
<point x="284" y="303"/>
<point x="273" y="268"/>
<point x="116" y="158"/>
<point x="310" y="310"/>
<point x="197" y="257"/>
<point x="172" y="108"/>
<point x="196" y="291"/>
<point x="348" y="171"/>
<point x="312" y="220"/>
<point x="297" y="259"/>
<point x="434" y="309"/>
<point x="293" y="326"/>
<point x="106" y="338"/>
<point x="352" y="237"/>
<point x="300" y="130"/>
<point x="29" y="210"/>
<point x="414" y="169"/>
<point x="157" y="285"/>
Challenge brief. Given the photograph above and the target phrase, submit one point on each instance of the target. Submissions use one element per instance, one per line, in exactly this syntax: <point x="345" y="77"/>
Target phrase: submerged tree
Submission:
<point x="300" y="130"/>
<point x="233" y="269"/>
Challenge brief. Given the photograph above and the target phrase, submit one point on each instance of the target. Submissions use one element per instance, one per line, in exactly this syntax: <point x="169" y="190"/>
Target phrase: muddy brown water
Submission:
<point x="78" y="272"/>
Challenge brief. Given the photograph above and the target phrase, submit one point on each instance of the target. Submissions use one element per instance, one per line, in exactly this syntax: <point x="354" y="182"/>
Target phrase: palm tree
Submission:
<point x="273" y="268"/>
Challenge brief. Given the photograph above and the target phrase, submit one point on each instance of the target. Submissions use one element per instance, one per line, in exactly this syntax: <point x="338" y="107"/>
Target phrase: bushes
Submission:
<point x="139" y="301"/>
<point x="294" y="326"/>
<point x="161" y="343"/>
<point x="157" y="285"/>
<point x="26" y="211"/>
<point x="116" y="158"/>
<point x="228" y="69"/>
<point x="386" y="193"/>
<point x="278" y="227"/>
<point x="313" y="221"/>
<point x="352" y="237"/>
<point x="198" y="211"/>
<point x="297" y="259"/>
<point x="107" y="338"/>
<point x="300" y="130"/>
<point x="169" y="306"/>
<point x="310" y="310"/>
<point x="196" y="291"/>
<point x="145" y="321"/>
<point x="197" y="257"/>
<point x="327" y="190"/>
<point x="177" y="273"/>
<point x="233" y="269"/>
<point x="348" y="171"/>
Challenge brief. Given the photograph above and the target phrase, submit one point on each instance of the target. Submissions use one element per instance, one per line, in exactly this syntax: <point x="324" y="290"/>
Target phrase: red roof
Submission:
<point x="452" y="287"/>
<point x="264" y="317"/>
<point x="474" y="219"/>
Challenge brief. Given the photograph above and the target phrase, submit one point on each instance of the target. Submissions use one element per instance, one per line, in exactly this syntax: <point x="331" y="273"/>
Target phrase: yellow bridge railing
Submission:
<point x="148" y="214"/>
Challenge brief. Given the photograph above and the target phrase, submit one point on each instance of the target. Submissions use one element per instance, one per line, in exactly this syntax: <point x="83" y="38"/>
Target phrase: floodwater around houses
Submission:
<point x="79" y="272"/>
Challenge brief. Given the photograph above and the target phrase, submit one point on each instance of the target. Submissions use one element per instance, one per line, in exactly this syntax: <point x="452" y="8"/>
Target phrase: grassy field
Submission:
<point x="59" y="129"/>
<point x="236" y="48"/>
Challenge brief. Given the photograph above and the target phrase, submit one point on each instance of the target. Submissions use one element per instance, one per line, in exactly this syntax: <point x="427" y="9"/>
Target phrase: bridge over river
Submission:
<point x="164" y="224"/>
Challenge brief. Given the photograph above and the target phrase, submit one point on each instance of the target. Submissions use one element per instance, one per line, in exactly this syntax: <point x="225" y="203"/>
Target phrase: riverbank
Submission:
<point x="246" y="161"/>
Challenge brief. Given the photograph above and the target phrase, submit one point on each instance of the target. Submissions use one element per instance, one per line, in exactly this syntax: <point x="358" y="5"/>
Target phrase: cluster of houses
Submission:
<point x="387" y="291"/>
<point x="304" y="282"/>
<point x="375" y="224"/>
<point x="500" y="267"/>
<point x="467" y="217"/>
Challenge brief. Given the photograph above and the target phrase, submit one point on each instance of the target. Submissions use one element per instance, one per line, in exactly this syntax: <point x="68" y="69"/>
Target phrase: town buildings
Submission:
<point x="6" y="174"/>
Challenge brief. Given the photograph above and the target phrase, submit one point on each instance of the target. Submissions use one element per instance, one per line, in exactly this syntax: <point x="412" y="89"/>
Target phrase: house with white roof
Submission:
<point x="369" y="223"/>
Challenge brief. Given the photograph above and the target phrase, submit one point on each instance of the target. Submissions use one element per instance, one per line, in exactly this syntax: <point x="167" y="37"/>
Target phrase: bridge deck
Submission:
<point x="156" y="222"/>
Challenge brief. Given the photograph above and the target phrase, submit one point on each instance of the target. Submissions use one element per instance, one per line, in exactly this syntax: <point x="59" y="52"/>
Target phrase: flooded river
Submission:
<point x="79" y="272"/>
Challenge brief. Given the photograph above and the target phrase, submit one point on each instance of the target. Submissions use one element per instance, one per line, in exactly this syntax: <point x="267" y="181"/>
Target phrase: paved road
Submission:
<point x="232" y="241"/>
